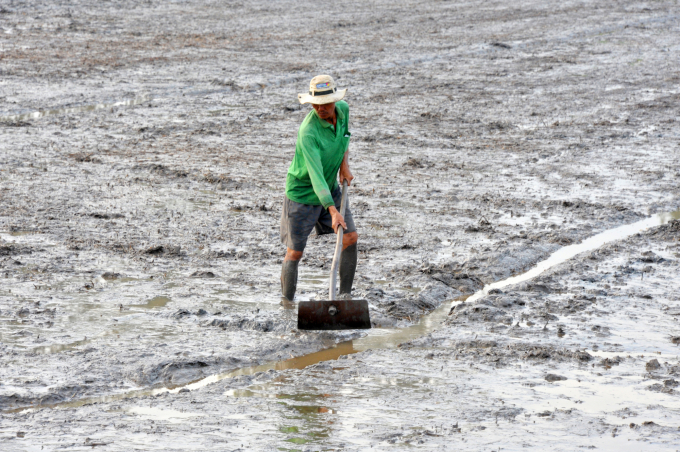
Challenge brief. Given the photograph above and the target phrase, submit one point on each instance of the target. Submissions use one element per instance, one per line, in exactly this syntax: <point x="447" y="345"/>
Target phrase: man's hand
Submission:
<point x="345" y="174"/>
<point x="337" y="219"/>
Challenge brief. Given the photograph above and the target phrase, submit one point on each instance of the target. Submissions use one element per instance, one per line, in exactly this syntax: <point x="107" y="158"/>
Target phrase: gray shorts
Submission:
<point x="298" y="220"/>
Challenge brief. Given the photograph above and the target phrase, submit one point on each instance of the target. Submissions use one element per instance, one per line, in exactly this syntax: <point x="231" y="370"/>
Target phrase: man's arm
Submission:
<point x="345" y="173"/>
<point x="310" y="151"/>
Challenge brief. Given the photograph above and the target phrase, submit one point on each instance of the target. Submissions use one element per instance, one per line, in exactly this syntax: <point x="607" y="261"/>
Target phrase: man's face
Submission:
<point x="325" y="111"/>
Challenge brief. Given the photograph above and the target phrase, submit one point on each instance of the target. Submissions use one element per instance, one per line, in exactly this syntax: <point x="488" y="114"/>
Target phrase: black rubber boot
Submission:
<point x="289" y="275"/>
<point x="348" y="265"/>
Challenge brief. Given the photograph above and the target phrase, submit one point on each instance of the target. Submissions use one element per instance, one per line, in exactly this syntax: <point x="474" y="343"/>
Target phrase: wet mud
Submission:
<point x="143" y="155"/>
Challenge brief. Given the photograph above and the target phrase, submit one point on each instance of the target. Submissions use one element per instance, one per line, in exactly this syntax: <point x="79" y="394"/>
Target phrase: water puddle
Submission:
<point x="155" y="302"/>
<point x="390" y="338"/>
<point x="593" y="397"/>
<point x="185" y="205"/>
<point x="157" y="414"/>
<point x="57" y="348"/>
<point x="71" y="110"/>
<point x="20" y="233"/>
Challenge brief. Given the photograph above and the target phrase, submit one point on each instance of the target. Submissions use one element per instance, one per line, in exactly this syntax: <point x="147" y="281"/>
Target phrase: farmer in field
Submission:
<point x="313" y="195"/>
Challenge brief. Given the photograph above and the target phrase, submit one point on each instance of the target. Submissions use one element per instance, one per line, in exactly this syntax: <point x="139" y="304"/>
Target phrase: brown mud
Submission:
<point x="142" y="158"/>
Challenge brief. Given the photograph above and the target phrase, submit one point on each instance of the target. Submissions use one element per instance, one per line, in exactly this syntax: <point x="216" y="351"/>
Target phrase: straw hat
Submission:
<point x="322" y="90"/>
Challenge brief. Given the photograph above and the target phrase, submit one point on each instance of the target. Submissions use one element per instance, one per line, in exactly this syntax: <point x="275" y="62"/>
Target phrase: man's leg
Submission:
<point x="348" y="262"/>
<point x="289" y="273"/>
<point x="297" y="221"/>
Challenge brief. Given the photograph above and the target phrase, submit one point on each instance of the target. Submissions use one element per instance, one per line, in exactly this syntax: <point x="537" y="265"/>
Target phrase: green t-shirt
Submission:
<point x="319" y="151"/>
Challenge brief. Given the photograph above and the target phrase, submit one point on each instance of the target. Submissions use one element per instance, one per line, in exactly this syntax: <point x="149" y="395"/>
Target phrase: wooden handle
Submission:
<point x="338" y="245"/>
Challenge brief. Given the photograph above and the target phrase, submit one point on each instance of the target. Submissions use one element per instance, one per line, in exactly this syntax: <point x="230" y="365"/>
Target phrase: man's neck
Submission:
<point x="332" y="120"/>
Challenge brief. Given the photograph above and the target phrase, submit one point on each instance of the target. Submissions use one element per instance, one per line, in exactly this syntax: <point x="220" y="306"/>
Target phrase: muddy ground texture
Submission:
<point x="144" y="147"/>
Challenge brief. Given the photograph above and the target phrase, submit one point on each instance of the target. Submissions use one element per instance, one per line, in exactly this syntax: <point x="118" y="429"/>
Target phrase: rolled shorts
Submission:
<point x="298" y="220"/>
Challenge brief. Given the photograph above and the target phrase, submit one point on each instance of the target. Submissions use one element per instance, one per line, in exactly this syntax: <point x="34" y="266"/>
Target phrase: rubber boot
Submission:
<point x="348" y="265"/>
<point x="289" y="276"/>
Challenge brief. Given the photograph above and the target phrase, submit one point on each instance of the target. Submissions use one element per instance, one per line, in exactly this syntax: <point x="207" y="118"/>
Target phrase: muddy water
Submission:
<point x="392" y="338"/>
<point x="155" y="302"/>
<point x="57" y="348"/>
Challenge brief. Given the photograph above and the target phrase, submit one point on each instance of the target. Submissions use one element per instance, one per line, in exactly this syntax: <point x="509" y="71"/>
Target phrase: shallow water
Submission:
<point x="382" y="338"/>
<point x="155" y="302"/>
<point x="162" y="414"/>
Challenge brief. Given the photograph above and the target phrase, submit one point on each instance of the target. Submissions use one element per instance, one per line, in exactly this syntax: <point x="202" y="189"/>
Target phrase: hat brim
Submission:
<point x="305" y="98"/>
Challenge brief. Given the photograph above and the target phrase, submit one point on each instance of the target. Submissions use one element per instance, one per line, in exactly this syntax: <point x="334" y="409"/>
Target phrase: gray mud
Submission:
<point x="143" y="153"/>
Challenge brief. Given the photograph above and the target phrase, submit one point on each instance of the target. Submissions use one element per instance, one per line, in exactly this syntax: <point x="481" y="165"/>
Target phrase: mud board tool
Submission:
<point x="334" y="314"/>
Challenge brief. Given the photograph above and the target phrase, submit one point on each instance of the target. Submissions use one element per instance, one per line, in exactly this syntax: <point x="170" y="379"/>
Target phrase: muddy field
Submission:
<point x="143" y="153"/>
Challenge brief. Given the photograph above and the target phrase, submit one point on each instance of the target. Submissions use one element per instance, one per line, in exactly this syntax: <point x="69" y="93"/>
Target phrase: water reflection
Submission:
<point x="57" y="348"/>
<point x="301" y="362"/>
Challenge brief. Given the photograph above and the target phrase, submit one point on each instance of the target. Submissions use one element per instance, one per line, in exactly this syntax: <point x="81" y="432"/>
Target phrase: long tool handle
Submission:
<point x="338" y="245"/>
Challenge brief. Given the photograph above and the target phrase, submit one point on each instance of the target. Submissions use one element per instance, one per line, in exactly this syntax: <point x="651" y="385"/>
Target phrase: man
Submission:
<point x="312" y="193"/>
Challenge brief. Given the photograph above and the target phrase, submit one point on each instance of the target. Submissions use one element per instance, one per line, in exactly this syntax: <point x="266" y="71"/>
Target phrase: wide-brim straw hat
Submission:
<point x="322" y="90"/>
